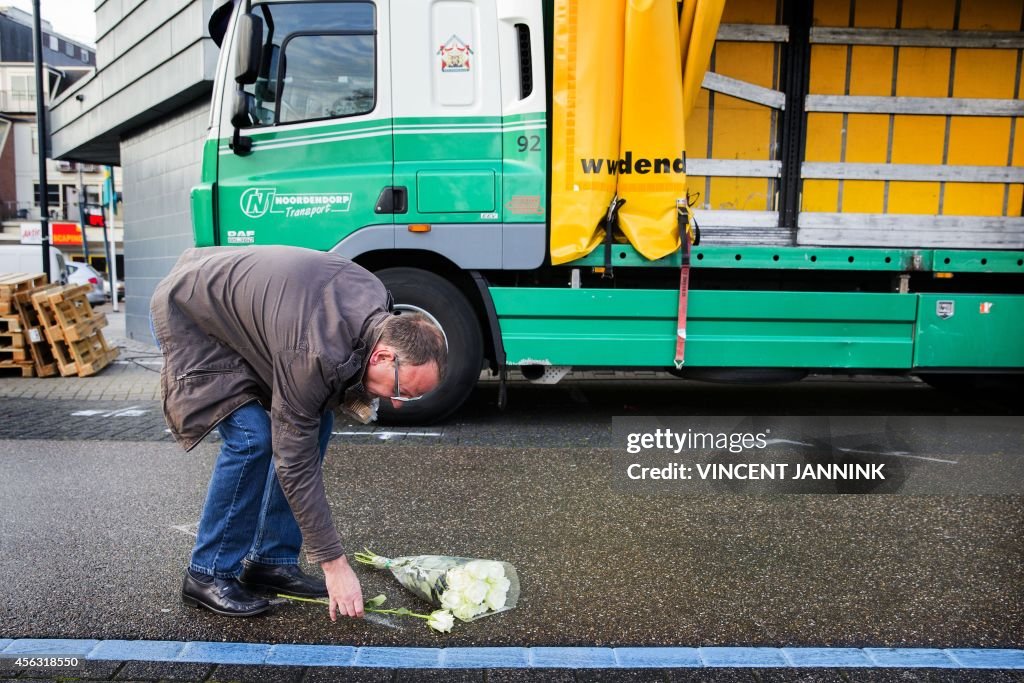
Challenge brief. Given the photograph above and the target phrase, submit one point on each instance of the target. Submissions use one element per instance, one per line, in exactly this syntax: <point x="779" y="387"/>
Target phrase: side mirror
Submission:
<point x="248" y="46"/>
<point x="241" y="117"/>
<point x="241" y="109"/>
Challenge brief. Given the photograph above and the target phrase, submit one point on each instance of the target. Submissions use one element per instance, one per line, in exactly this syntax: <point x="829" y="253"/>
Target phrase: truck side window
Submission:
<point x="327" y="76"/>
<point x="318" y="61"/>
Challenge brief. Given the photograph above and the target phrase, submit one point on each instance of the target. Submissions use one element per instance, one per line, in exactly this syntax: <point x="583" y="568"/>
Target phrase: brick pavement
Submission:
<point x="134" y="376"/>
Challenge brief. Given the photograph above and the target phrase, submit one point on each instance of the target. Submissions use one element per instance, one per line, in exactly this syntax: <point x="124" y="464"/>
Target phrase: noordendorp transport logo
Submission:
<point x="256" y="202"/>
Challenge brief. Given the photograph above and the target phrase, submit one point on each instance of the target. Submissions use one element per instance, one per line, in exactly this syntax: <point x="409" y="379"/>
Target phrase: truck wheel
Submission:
<point x="420" y="290"/>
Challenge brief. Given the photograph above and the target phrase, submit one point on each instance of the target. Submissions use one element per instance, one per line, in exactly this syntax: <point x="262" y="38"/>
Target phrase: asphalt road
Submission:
<point x="96" y="513"/>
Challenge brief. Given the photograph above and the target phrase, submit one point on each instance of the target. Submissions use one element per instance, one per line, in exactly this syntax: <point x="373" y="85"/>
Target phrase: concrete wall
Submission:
<point x="153" y="56"/>
<point x="145" y="109"/>
<point x="160" y="164"/>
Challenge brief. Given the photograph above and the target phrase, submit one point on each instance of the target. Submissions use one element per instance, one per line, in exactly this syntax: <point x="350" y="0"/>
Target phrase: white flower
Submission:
<point x="497" y="594"/>
<point x="441" y="621"/>
<point x="462" y="605"/>
<point x="468" y="610"/>
<point x="474" y="588"/>
<point x="451" y="599"/>
<point x="458" y="579"/>
<point x="485" y="570"/>
<point x="476" y="592"/>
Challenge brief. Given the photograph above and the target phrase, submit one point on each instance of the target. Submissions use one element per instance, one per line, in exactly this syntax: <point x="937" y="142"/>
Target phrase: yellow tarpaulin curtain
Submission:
<point x="700" y="31"/>
<point x="631" y="52"/>
<point x="586" y="121"/>
<point x="651" y="172"/>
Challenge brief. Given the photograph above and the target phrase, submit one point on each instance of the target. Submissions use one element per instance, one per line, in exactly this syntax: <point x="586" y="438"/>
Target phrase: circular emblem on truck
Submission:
<point x="256" y="201"/>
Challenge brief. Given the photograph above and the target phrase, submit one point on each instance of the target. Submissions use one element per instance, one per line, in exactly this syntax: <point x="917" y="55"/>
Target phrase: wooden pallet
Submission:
<point x="42" y="353"/>
<point x="14" y="354"/>
<point x="72" y="330"/>
<point x="74" y="314"/>
<point x="92" y="354"/>
<point x="53" y="333"/>
<point x="12" y="339"/>
<point x="25" y="370"/>
<point x="15" y="283"/>
<point x="10" y="324"/>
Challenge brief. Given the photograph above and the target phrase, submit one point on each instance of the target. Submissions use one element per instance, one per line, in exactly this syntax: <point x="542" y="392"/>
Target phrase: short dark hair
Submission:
<point x="416" y="339"/>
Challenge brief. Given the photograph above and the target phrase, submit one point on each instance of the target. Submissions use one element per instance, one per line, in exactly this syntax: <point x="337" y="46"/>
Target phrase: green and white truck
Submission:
<point x="854" y="169"/>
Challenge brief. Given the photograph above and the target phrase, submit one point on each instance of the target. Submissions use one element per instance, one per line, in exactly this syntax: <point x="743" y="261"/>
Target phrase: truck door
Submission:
<point x="321" y="130"/>
<point x="448" y="126"/>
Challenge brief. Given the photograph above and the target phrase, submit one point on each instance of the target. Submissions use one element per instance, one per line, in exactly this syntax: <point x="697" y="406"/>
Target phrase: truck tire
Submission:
<point x="422" y="290"/>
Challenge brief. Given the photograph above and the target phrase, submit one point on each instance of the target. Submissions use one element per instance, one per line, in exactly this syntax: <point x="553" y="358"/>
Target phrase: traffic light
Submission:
<point x="95" y="217"/>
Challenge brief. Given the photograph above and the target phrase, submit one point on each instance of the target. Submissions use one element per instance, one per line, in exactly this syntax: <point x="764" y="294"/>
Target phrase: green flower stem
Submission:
<point x="319" y="601"/>
<point x="371" y="558"/>
<point x="402" y="611"/>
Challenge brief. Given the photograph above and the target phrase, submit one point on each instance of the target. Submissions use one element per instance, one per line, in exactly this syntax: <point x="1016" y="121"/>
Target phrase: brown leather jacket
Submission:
<point x="284" y="326"/>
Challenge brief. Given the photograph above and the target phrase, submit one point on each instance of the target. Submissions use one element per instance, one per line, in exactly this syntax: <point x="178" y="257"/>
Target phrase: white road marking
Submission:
<point x="387" y="436"/>
<point x="381" y="620"/>
<point x="130" y="411"/>
<point x="894" y="454"/>
<point x="900" y="454"/>
<point x="190" y="529"/>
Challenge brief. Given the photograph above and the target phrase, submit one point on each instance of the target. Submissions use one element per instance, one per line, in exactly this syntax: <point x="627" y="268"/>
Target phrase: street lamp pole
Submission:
<point x="82" y="222"/>
<point x="44" y="204"/>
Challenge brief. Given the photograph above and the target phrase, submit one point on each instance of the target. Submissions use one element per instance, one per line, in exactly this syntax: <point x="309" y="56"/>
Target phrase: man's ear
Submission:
<point x="381" y="354"/>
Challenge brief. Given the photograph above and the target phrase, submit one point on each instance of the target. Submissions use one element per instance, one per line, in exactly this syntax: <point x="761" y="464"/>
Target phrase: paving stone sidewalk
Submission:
<point x="134" y="376"/>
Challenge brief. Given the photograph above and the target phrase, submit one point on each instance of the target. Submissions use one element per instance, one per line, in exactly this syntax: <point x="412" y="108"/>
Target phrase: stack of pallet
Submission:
<point x="59" y="331"/>
<point x="16" y="349"/>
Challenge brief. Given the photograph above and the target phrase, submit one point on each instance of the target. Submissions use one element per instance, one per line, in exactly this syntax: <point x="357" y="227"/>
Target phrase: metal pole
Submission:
<point x="44" y="204"/>
<point x="113" y="241"/>
<point x="81" y="214"/>
<point x="106" y="253"/>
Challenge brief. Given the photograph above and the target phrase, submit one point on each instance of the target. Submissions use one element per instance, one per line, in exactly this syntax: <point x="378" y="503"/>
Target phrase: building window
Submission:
<point x="52" y="195"/>
<point x="69" y="49"/>
<point x="85" y="56"/>
<point x="54" y="43"/>
<point x="23" y="93"/>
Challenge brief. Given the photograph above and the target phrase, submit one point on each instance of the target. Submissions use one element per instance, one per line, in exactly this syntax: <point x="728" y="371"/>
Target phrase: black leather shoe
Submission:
<point x="281" y="578"/>
<point x="226" y="597"/>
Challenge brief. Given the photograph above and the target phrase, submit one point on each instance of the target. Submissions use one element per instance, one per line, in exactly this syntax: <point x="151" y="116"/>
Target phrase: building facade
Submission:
<point x="146" y="109"/>
<point x="66" y="62"/>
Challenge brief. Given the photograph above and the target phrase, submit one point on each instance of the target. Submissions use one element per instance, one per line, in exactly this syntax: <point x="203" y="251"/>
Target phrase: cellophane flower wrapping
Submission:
<point x="471" y="588"/>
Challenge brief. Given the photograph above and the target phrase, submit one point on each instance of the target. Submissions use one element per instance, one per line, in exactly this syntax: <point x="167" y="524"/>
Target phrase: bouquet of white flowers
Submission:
<point x="470" y="588"/>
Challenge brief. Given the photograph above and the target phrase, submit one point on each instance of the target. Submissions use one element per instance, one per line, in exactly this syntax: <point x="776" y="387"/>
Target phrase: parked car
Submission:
<point x="27" y="258"/>
<point x="84" y="274"/>
<point x="120" y="289"/>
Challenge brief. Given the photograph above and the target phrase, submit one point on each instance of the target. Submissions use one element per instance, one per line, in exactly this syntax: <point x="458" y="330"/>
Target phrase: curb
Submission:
<point x="514" y="657"/>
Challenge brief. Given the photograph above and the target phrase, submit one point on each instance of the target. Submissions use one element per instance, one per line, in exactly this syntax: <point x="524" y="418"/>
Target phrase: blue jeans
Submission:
<point x="246" y="513"/>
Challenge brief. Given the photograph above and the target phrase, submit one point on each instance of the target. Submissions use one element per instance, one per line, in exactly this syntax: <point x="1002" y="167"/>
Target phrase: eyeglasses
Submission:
<point x="398" y="389"/>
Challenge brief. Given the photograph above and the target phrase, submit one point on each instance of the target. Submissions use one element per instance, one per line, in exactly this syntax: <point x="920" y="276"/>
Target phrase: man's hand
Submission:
<point x="343" y="588"/>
